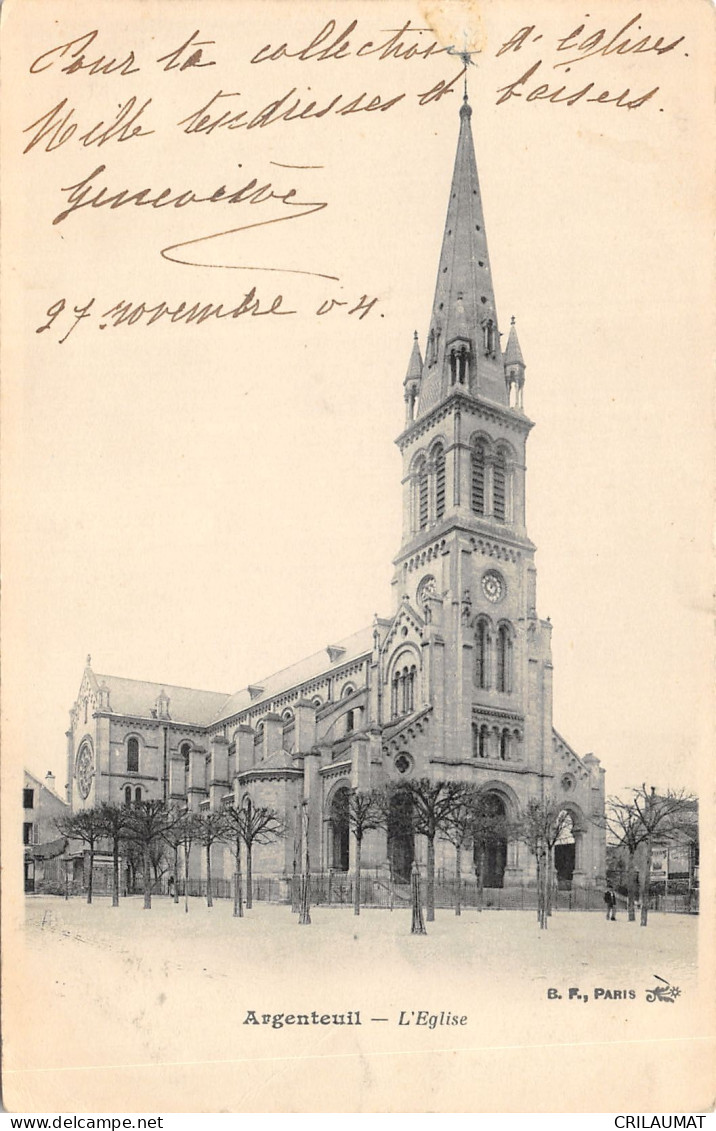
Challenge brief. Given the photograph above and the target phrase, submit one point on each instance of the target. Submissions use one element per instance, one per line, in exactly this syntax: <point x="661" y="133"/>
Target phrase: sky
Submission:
<point x="206" y="504"/>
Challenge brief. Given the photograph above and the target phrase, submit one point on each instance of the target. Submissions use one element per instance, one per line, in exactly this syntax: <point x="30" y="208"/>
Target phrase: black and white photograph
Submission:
<point x="357" y="585"/>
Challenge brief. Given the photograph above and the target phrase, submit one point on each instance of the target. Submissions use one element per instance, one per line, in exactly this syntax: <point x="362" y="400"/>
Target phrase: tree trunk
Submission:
<point x="295" y="888"/>
<point x="304" y="917"/>
<point x="249" y="876"/>
<point x="356" y="893"/>
<point x="631" y="889"/>
<point x="417" y="926"/>
<point x="458" y="878"/>
<point x="547" y="879"/>
<point x="209" y="896"/>
<point x="187" y="851"/>
<point x="480" y="877"/>
<point x="115" y="872"/>
<point x="646" y="884"/>
<point x="238" y="893"/>
<point x="176" y="873"/>
<point x="91" y="874"/>
<point x="430" y="901"/>
<point x="147" y="875"/>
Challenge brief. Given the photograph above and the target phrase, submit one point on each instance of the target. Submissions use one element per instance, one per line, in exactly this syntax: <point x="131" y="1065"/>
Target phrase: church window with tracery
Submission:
<point x="499" y="487"/>
<point x="478" y="479"/>
<point x="133" y="756"/>
<point x="482" y="644"/>
<point x="504" y="659"/>
<point x="439" y="483"/>
<point x="422" y="495"/>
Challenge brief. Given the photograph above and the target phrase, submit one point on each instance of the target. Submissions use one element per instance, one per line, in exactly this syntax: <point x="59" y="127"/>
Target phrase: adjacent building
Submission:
<point x="42" y="843"/>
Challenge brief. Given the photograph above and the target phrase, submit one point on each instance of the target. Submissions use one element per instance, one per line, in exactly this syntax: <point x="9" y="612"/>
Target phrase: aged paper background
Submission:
<point x="205" y="504"/>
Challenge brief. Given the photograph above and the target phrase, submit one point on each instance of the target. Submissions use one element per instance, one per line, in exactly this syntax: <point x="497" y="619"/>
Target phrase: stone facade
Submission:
<point x="455" y="684"/>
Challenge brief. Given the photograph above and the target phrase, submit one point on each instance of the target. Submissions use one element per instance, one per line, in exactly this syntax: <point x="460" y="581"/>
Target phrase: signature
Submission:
<point x="92" y="193"/>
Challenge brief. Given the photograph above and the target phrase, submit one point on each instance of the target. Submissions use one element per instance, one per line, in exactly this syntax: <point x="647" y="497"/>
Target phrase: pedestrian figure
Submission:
<point x="610" y="900"/>
<point x="170" y="886"/>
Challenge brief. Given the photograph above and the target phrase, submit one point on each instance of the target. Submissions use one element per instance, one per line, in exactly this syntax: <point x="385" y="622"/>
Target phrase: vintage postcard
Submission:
<point x="357" y="493"/>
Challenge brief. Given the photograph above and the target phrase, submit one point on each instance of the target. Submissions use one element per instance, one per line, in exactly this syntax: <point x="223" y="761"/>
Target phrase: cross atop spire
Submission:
<point x="463" y="347"/>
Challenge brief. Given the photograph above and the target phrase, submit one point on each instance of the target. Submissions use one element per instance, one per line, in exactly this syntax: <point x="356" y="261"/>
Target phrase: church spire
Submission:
<point x="412" y="379"/>
<point x="514" y="368"/>
<point x="463" y="349"/>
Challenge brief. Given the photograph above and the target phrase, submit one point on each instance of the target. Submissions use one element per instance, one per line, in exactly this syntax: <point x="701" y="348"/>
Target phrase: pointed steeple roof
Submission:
<point x="464" y="310"/>
<point x="415" y="365"/>
<point x="513" y="353"/>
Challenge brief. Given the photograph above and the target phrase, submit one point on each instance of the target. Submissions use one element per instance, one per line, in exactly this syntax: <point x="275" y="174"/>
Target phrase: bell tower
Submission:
<point x="466" y="564"/>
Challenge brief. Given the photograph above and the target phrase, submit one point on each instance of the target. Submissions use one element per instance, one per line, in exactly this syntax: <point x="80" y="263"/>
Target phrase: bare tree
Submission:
<point x="210" y="828"/>
<point x="173" y="837"/>
<point x="147" y="825"/>
<point x="188" y="830"/>
<point x="262" y="825"/>
<point x="235" y="818"/>
<point x="85" y="825"/>
<point x="458" y="829"/>
<point x="114" y="820"/>
<point x="489" y="828"/>
<point x="540" y="826"/>
<point x="430" y="809"/>
<point x="363" y="812"/>
<point x="635" y="823"/>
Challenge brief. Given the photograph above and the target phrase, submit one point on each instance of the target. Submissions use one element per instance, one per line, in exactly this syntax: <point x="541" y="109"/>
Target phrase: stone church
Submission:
<point x="456" y="683"/>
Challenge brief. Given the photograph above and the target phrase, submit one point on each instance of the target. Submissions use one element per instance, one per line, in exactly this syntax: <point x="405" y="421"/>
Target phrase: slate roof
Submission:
<point x="202" y="708"/>
<point x="137" y="697"/>
<point x="311" y="667"/>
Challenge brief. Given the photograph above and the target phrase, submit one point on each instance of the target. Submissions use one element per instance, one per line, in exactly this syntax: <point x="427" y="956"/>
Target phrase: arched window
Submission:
<point x="505" y="746"/>
<point x="482" y="746"/>
<point x="133" y="755"/>
<point x="475" y="740"/>
<point x="408" y="690"/>
<point x="439" y="483"/>
<point x="394" y="688"/>
<point x="482" y="644"/>
<point x="499" y="487"/>
<point x="137" y="795"/>
<point x="478" y="479"/>
<point x="422" y="495"/>
<point x="402" y="690"/>
<point x="504" y="659"/>
<point x="350" y="721"/>
<point x="127" y="795"/>
<point x="185" y="752"/>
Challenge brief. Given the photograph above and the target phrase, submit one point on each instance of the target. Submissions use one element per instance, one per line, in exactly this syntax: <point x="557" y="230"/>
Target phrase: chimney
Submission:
<point x="50" y="780"/>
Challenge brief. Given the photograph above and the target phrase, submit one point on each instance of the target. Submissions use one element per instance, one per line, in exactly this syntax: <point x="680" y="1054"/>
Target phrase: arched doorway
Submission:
<point x="401" y="840"/>
<point x="339" y="831"/>
<point x="493" y="845"/>
<point x="565" y="855"/>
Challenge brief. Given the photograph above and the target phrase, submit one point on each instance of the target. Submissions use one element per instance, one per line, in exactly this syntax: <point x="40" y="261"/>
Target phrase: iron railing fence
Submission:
<point x="337" y="889"/>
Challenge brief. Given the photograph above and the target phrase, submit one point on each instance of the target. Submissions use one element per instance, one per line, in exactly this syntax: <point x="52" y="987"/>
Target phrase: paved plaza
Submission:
<point x="160" y="998"/>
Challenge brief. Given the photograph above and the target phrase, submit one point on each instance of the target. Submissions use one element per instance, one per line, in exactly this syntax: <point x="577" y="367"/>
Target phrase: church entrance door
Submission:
<point x="340" y="832"/>
<point x="401" y="840"/>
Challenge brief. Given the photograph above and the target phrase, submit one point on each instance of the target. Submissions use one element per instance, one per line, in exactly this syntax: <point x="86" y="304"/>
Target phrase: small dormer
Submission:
<point x="335" y="653"/>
